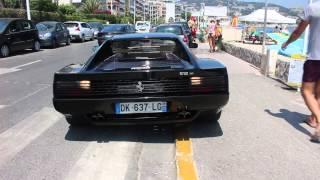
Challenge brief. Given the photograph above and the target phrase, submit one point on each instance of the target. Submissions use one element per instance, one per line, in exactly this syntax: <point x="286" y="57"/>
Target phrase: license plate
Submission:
<point x="141" y="107"/>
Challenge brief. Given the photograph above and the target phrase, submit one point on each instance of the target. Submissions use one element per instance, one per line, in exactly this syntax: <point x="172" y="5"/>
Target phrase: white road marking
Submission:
<point x="15" y="139"/>
<point x="102" y="161"/>
<point x="2" y="106"/>
<point x="16" y="68"/>
<point x="26" y="64"/>
<point x="29" y="95"/>
<point x="7" y="70"/>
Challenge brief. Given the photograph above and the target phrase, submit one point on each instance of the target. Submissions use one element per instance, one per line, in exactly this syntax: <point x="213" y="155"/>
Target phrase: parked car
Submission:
<point x="17" y="34"/>
<point x="141" y="79"/>
<point x="112" y="29"/>
<point x="186" y="29"/>
<point x="175" y="29"/>
<point x="52" y="34"/>
<point x="143" y="26"/>
<point x="80" y="30"/>
<point x="97" y="27"/>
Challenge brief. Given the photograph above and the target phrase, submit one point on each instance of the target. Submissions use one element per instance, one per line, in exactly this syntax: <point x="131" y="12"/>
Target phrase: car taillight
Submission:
<point x="185" y="39"/>
<point x="77" y="29"/>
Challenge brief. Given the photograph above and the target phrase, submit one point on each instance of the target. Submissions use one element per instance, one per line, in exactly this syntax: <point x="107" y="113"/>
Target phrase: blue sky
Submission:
<point x="285" y="3"/>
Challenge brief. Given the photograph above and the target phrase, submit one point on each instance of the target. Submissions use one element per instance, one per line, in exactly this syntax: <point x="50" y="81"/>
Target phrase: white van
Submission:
<point x="143" y="26"/>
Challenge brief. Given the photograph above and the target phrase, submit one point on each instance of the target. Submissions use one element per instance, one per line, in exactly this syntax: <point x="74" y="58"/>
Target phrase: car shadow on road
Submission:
<point x="295" y="119"/>
<point x="144" y="134"/>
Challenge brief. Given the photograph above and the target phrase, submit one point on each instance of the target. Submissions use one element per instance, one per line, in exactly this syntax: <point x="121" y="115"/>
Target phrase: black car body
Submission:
<point x="52" y="34"/>
<point x="114" y="29"/>
<point x="176" y="29"/>
<point x="186" y="29"/>
<point x="97" y="27"/>
<point x="17" y="34"/>
<point x="148" y="78"/>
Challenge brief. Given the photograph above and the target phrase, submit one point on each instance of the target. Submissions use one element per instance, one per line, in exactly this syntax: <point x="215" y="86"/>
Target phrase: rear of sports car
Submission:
<point x="128" y="89"/>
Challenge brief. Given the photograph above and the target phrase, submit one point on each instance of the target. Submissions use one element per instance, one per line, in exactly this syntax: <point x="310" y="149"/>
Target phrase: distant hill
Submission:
<point x="235" y="3"/>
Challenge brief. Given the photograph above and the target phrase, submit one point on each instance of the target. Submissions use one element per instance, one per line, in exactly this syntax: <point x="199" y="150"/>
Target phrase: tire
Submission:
<point x="68" y="41"/>
<point x="53" y="44"/>
<point x="83" y="39"/>
<point x="210" y="116"/>
<point x="36" y="45"/>
<point x="4" y="50"/>
<point x="77" y="120"/>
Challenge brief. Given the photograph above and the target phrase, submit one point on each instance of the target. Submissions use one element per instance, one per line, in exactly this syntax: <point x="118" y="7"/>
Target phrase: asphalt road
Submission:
<point x="261" y="134"/>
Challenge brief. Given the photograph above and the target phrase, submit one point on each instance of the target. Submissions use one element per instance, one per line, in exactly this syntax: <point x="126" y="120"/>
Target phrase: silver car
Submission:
<point x="80" y="31"/>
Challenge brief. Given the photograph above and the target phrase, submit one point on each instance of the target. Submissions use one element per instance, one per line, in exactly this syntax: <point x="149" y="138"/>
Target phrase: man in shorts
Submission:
<point x="311" y="75"/>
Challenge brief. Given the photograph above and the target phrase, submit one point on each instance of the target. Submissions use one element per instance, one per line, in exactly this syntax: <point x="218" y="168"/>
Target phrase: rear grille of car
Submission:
<point x="136" y="88"/>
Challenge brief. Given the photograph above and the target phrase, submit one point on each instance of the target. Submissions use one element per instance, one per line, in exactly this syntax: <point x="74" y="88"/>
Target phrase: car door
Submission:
<point x="27" y="33"/>
<point x="60" y="35"/>
<point x="85" y="29"/>
<point x="91" y="30"/>
<point x="14" y="36"/>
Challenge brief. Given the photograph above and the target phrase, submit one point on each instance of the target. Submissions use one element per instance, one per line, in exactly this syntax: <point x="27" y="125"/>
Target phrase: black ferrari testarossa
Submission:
<point x="141" y="79"/>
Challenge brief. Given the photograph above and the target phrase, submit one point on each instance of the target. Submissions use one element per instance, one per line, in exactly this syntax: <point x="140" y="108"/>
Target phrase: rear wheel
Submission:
<point x="68" y="41"/>
<point x="53" y="43"/>
<point x="36" y="46"/>
<point x="4" y="50"/>
<point x="83" y="39"/>
<point x="77" y="120"/>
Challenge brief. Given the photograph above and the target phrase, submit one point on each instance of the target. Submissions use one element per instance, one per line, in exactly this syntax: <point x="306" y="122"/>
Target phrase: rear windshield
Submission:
<point x="170" y="29"/>
<point x="157" y="51"/>
<point x="113" y="28"/>
<point x="42" y="27"/>
<point x="70" y="25"/>
<point x="3" y="25"/>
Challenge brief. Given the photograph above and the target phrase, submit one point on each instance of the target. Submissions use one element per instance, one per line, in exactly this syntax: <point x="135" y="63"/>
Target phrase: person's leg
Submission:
<point x="213" y="43"/>
<point x="210" y="41"/>
<point x="312" y="119"/>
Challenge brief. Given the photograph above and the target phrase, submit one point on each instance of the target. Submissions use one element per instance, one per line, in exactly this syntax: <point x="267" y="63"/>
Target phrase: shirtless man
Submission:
<point x="311" y="75"/>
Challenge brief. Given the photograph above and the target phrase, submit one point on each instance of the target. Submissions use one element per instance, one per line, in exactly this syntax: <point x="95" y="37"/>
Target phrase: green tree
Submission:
<point x="43" y="5"/>
<point x="90" y="6"/>
<point x="67" y="9"/>
<point x="188" y="15"/>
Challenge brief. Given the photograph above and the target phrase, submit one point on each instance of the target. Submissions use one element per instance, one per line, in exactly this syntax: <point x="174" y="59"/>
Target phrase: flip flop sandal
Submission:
<point x="315" y="139"/>
<point x="310" y="124"/>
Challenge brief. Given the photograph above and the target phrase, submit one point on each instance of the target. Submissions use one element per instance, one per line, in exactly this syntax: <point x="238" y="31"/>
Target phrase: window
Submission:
<point x="84" y="25"/>
<point x="59" y="28"/>
<point x="26" y="25"/>
<point x="170" y="29"/>
<point x="14" y="27"/>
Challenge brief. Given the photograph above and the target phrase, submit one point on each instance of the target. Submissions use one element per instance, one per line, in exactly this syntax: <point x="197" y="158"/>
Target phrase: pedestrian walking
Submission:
<point x="218" y="33"/>
<point x="211" y="35"/>
<point x="311" y="75"/>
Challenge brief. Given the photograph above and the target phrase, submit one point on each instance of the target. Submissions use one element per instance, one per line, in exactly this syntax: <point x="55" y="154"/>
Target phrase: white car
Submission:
<point x="143" y="26"/>
<point x="80" y="31"/>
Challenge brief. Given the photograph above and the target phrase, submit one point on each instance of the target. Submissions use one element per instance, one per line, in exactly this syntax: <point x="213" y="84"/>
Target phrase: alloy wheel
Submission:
<point x="5" y="51"/>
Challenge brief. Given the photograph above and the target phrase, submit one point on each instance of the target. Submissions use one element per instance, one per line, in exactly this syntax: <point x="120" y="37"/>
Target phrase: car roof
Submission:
<point x="145" y="36"/>
<point x="74" y="22"/>
<point x="179" y="25"/>
<point x="49" y="22"/>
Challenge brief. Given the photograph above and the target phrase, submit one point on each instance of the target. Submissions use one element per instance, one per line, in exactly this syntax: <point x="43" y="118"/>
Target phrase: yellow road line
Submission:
<point x="186" y="168"/>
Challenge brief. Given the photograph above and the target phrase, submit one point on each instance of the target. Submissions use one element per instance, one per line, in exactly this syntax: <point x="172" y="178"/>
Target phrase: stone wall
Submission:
<point x="282" y="70"/>
<point x="251" y="57"/>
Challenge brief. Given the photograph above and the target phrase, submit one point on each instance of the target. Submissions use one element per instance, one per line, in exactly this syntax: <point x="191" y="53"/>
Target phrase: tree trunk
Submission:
<point x="1" y="3"/>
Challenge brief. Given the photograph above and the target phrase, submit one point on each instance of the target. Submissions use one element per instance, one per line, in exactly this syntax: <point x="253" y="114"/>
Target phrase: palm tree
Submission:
<point x="90" y="6"/>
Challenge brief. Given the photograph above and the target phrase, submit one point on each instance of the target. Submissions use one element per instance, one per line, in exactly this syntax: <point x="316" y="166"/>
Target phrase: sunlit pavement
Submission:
<point x="261" y="134"/>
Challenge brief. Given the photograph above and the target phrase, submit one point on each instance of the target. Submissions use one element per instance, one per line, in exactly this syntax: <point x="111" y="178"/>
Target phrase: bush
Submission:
<point x="38" y="16"/>
<point x="67" y="9"/>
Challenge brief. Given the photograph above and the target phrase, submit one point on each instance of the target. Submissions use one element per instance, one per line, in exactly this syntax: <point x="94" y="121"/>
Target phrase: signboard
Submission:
<point x="295" y="73"/>
<point x="170" y="12"/>
<point x="76" y="1"/>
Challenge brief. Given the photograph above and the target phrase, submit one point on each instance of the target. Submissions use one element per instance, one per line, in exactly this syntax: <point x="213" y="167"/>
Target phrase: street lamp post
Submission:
<point x="265" y="26"/>
<point x="134" y="11"/>
<point x="28" y="10"/>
